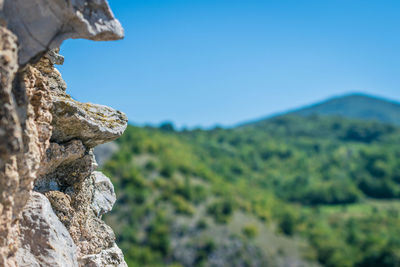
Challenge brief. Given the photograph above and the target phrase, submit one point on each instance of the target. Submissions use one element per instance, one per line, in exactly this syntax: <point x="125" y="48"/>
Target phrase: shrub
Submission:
<point x="202" y="224"/>
<point x="221" y="210"/>
<point x="250" y="230"/>
<point x="182" y="206"/>
<point x="150" y="166"/>
<point x="167" y="171"/>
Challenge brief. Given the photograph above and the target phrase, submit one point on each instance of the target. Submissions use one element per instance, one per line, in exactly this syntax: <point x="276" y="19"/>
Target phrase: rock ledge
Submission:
<point x="51" y="196"/>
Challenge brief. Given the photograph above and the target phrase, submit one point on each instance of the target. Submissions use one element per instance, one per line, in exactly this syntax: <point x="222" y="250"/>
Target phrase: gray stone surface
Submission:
<point x="44" y="239"/>
<point x="59" y="227"/>
<point x="45" y="24"/>
<point x="54" y="57"/>
<point x="24" y="133"/>
<point x="77" y="194"/>
<point x="57" y="155"/>
<point x="91" y="123"/>
<point x="103" y="195"/>
<point x="111" y="257"/>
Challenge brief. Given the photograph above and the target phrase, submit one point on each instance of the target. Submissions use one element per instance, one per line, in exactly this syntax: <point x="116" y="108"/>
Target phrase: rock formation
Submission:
<point x="51" y="197"/>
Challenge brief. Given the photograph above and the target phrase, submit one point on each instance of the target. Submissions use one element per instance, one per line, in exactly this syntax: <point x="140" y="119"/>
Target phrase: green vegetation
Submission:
<point x="331" y="185"/>
<point x="250" y="230"/>
<point x="356" y="106"/>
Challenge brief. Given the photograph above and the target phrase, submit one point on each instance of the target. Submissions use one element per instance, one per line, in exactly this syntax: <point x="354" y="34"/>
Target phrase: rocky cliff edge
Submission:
<point x="51" y="196"/>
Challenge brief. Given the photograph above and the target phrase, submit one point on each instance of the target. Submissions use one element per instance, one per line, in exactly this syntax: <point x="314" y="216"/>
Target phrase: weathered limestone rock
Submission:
<point x="61" y="204"/>
<point x="103" y="195"/>
<point x="92" y="124"/>
<point x="78" y="195"/>
<point x="90" y="233"/>
<point x="10" y="147"/>
<point x="61" y="225"/>
<point x="33" y="104"/>
<point x="66" y="174"/>
<point x="54" y="57"/>
<point x="24" y="133"/>
<point x="57" y="155"/>
<point x="44" y="239"/>
<point x="72" y="204"/>
<point x="52" y="75"/>
<point x="45" y="24"/>
<point x="8" y="117"/>
<point x="107" y="258"/>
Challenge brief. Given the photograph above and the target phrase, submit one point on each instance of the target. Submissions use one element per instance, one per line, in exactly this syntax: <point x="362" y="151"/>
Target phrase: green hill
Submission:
<point x="351" y="106"/>
<point x="356" y="106"/>
<point x="289" y="191"/>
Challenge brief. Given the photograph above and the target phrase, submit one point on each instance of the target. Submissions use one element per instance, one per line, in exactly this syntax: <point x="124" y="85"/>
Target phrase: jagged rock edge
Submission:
<point x="43" y="163"/>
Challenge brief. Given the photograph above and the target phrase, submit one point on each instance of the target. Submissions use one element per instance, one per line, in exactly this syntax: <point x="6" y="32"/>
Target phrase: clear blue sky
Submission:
<point x="207" y="62"/>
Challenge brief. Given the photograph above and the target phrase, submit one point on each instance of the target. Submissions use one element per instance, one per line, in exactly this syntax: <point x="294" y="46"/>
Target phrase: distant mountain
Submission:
<point x="356" y="106"/>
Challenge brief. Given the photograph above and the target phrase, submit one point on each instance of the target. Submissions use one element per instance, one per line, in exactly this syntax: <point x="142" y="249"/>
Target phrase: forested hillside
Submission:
<point x="356" y="106"/>
<point x="352" y="106"/>
<point x="288" y="191"/>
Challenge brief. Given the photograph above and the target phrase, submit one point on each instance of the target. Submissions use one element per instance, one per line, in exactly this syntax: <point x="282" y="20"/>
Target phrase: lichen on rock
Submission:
<point x="78" y="194"/>
<point x="92" y="124"/>
<point x="51" y="197"/>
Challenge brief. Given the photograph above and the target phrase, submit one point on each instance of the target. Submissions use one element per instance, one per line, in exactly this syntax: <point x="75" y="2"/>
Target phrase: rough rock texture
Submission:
<point x="25" y="131"/>
<point x="51" y="198"/>
<point x="11" y="146"/>
<point x="46" y="23"/>
<point x="107" y="258"/>
<point x="44" y="239"/>
<point x="99" y="124"/>
<point x="67" y="177"/>
<point x="58" y="154"/>
<point x="103" y="195"/>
